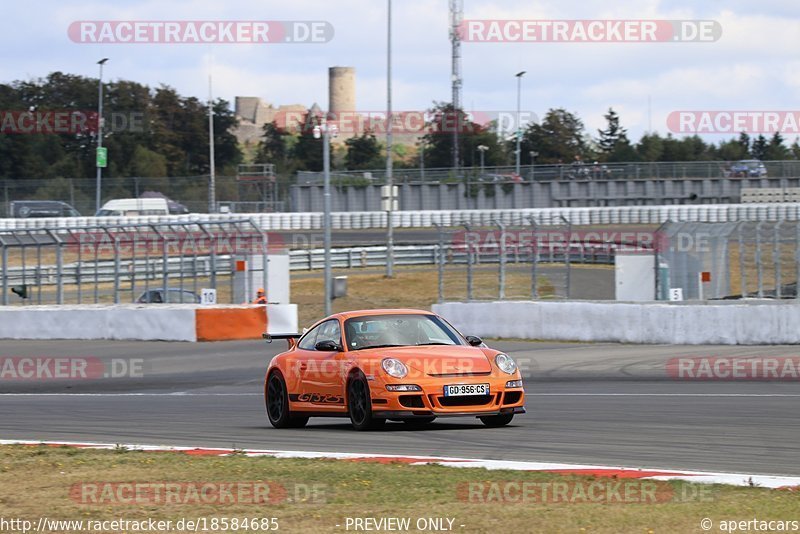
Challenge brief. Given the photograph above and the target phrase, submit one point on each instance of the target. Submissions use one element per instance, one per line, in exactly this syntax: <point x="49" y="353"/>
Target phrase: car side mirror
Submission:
<point x="475" y="341"/>
<point x="327" y="345"/>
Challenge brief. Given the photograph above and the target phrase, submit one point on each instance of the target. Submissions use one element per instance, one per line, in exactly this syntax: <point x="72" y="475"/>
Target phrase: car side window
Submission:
<point x="330" y="331"/>
<point x="310" y="339"/>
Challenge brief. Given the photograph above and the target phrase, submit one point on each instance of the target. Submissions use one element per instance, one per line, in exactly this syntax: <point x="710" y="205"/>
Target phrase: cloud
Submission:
<point x="753" y="65"/>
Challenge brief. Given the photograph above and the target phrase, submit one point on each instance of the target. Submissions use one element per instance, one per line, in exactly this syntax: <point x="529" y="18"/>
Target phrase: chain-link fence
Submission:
<point x="163" y="262"/>
<point x="234" y="194"/>
<point x="537" y="261"/>
<point x="729" y="260"/>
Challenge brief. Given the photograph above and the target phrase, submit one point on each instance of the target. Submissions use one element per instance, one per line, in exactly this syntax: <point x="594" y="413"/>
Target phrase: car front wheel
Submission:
<point x="497" y="420"/>
<point x="359" y="404"/>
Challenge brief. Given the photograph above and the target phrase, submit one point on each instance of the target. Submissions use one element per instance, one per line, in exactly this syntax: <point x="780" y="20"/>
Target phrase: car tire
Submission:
<point x="276" y="400"/>
<point x="359" y="404"/>
<point x="497" y="420"/>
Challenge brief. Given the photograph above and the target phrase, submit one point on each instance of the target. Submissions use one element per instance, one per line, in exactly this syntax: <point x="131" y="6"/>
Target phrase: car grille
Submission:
<point x="471" y="400"/>
<point x="487" y="373"/>
<point x="411" y="401"/>
<point x="512" y="397"/>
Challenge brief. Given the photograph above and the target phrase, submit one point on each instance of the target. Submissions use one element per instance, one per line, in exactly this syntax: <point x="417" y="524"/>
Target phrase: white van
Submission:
<point x="132" y="207"/>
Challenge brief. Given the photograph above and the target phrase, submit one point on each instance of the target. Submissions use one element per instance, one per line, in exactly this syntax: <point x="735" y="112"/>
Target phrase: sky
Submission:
<point x="752" y="66"/>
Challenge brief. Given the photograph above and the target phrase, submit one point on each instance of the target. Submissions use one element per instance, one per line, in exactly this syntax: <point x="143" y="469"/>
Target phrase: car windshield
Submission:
<point x="374" y="331"/>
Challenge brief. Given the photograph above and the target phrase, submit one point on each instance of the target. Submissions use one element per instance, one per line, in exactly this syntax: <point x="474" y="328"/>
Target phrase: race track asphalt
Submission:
<point x="604" y="404"/>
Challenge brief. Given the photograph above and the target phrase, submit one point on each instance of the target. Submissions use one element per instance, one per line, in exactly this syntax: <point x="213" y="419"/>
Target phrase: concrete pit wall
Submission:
<point x="751" y="323"/>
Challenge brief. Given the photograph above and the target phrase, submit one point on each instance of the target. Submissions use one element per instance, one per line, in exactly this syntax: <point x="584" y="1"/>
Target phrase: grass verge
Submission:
<point x="317" y="495"/>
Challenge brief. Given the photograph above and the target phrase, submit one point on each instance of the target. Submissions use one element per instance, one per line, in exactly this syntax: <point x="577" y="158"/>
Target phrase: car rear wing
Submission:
<point x="291" y="339"/>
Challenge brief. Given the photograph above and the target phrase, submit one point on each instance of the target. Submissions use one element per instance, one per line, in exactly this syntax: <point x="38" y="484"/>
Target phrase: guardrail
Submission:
<point x="424" y="219"/>
<point x="300" y="260"/>
<point x="568" y="171"/>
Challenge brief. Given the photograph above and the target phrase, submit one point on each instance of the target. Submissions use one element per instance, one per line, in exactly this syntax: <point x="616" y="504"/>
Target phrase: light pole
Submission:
<point x="98" y="199"/>
<point x="326" y="132"/>
<point x="533" y="155"/>
<point x="482" y="149"/>
<point x="519" y="76"/>
<point x="389" y="177"/>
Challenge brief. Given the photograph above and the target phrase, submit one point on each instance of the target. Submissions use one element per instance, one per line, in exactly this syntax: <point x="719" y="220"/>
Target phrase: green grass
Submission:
<point x="36" y="481"/>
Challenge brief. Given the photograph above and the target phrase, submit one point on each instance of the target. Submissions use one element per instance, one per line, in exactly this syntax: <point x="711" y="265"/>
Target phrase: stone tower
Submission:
<point x="341" y="89"/>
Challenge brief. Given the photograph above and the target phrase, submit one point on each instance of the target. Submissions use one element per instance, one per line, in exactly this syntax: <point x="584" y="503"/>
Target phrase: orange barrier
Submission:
<point x="225" y="324"/>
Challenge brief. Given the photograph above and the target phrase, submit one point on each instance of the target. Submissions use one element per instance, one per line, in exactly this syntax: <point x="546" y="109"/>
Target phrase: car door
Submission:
<point x="319" y="370"/>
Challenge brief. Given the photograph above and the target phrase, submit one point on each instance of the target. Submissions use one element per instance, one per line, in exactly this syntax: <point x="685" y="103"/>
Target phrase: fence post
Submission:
<point x="567" y="256"/>
<point x="116" y="270"/>
<point x="440" y="259"/>
<point x="59" y="269"/>
<point x="797" y="261"/>
<point x="38" y="273"/>
<point x="5" y="272"/>
<point x="742" y="275"/>
<point x="776" y="258"/>
<point x="534" y="258"/>
<point x="264" y="260"/>
<point x="469" y="262"/>
<point x="502" y="269"/>
<point x="759" y="263"/>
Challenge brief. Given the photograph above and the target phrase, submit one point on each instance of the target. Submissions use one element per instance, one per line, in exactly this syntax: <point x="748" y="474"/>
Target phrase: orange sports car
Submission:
<point x="400" y="365"/>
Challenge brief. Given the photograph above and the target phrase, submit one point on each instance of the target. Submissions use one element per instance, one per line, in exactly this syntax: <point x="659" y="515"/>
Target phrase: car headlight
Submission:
<point x="505" y="363"/>
<point x="394" y="367"/>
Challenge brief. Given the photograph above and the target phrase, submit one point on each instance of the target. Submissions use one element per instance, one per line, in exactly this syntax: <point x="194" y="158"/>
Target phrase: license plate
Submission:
<point x="464" y="390"/>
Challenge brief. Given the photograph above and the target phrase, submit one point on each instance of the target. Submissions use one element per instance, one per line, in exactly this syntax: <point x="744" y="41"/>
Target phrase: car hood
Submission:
<point x="436" y="360"/>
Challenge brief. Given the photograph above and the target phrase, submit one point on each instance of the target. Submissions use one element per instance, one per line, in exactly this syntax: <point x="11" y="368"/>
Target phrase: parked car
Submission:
<point x="501" y="178"/>
<point x="26" y="209"/>
<point x="176" y="296"/>
<point x="175" y="208"/>
<point x="749" y="168"/>
<point x="132" y="207"/>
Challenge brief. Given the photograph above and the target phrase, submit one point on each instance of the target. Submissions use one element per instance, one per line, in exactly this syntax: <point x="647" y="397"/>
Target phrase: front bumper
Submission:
<point x="431" y="402"/>
<point x="410" y="414"/>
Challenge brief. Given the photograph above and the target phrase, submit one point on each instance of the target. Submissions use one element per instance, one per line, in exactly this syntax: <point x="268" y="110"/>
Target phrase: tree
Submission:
<point x="558" y="139"/>
<point x="363" y="152"/>
<point x="608" y="138"/>
<point x="272" y="147"/>
<point x="439" y="139"/>
<point x="776" y="150"/>
<point x="759" y="148"/>
<point x="745" y="142"/>
<point x="650" y="147"/>
<point x="733" y="149"/>
<point x="307" y="151"/>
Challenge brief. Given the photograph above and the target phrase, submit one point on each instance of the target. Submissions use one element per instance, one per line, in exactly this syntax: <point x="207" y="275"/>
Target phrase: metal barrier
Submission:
<point x="68" y="263"/>
<point x="426" y="219"/>
<point x="730" y="260"/>
<point x="588" y="170"/>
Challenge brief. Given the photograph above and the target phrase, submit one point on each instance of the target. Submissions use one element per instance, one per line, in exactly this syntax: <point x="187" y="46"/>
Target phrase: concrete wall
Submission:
<point x="538" y="194"/>
<point x="691" y="324"/>
<point x="168" y="322"/>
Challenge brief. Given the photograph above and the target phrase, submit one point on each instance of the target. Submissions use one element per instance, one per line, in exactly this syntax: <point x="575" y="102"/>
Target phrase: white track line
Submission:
<point x="736" y="479"/>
